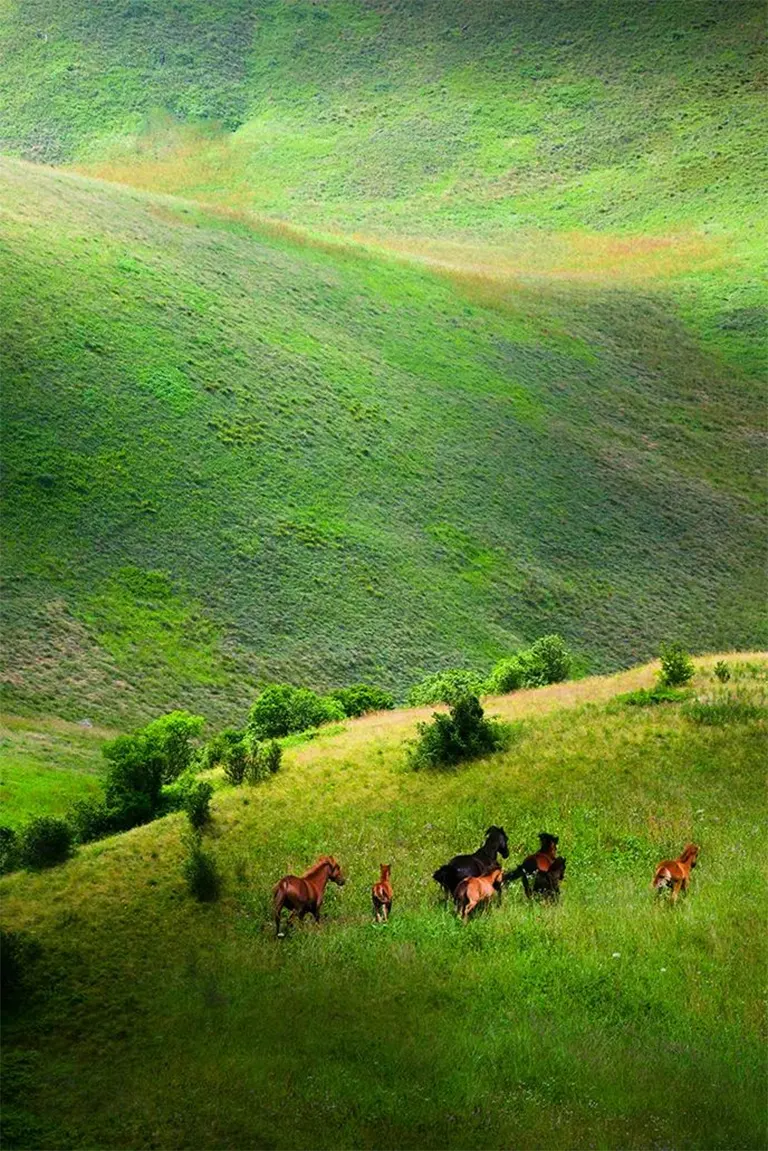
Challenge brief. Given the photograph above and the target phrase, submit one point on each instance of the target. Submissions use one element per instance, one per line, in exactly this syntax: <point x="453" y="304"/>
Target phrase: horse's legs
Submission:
<point x="278" y="913"/>
<point x="676" y="889"/>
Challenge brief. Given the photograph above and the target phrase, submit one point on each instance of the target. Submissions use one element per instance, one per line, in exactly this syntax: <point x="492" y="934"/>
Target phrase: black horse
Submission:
<point x="546" y="884"/>
<point x="483" y="860"/>
<point x="541" y="860"/>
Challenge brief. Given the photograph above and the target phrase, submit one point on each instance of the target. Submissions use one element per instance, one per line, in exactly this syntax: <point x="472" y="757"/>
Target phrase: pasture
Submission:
<point x="611" y="1019"/>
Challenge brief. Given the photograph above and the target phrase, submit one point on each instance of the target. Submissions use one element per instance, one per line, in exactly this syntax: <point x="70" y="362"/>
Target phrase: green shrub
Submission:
<point x="135" y="778"/>
<point x="174" y="735"/>
<point x="461" y="735"/>
<point x="547" y="660"/>
<point x="9" y="850"/>
<point x="650" y="696"/>
<point x="45" y="842"/>
<point x="235" y="763"/>
<point x="446" y="687"/>
<point x="271" y="756"/>
<point x="722" y="671"/>
<point x="508" y="675"/>
<point x="89" y="819"/>
<point x="197" y="803"/>
<point x="17" y="954"/>
<point x="282" y="709"/>
<point x="361" y="698"/>
<point x="676" y="665"/>
<point x="217" y="749"/>
<point x="200" y="872"/>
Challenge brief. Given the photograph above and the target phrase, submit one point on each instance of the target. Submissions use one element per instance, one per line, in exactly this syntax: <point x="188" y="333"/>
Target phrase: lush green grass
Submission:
<point x="45" y="765"/>
<point x="612" y="1020"/>
<point x="229" y="457"/>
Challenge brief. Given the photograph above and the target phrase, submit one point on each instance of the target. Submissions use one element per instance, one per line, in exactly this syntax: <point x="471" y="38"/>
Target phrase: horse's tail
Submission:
<point x="511" y="876"/>
<point x="661" y="879"/>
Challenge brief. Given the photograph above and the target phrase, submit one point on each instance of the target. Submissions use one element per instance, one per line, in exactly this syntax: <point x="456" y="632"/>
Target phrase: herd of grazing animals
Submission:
<point x="470" y="880"/>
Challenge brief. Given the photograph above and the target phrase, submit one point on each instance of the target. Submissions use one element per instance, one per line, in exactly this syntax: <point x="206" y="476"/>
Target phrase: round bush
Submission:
<point x="45" y="842"/>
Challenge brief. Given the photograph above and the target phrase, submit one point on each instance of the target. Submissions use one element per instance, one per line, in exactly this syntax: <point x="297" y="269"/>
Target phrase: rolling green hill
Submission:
<point x="610" y="1020"/>
<point x="448" y="333"/>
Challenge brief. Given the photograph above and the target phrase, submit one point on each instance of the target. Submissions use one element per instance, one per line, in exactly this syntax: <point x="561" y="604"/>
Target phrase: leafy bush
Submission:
<point x="722" y="671"/>
<point x="200" y="872"/>
<point x="9" y="850"/>
<point x="282" y="709"/>
<point x="649" y="696"/>
<point x="17" y="954"/>
<point x="361" y="698"/>
<point x="508" y="675"/>
<point x="217" y="749"/>
<point x="461" y="735"/>
<point x="235" y="763"/>
<point x="89" y="820"/>
<point x="676" y="665"/>
<point x="446" y="687"/>
<point x="724" y="707"/>
<point x="270" y="756"/>
<point x="197" y="803"/>
<point x="45" y="842"/>
<point x="547" y="660"/>
<point x="135" y="778"/>
<point x="174" y="735"/>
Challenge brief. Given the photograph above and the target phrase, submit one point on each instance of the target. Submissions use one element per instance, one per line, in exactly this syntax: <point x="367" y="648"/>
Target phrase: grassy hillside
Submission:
<point x="230" y="456"/>
<point x="609" y="1020"/>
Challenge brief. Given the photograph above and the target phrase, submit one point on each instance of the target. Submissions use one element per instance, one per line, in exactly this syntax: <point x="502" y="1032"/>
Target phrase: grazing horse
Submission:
<point x="541" y="860"/>
<point x="483" y="861"/>
<point x="546" y="884"/>
<point x="304" y="893"/>
<point x="477" y="889"/>
<point x="676" y="873"/>
<point x="381" y="894"/>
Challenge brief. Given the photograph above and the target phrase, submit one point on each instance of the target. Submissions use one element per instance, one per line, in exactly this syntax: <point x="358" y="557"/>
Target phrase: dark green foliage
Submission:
<point x="282" y="709"/>
<point x="723" y="708"/>
<point x="17" y="955"/>
<point x="235" y="762"/>
<point x="722" y="671"/>
<point x="446" y="687"/>
<point x="137" y="771"/>
<point x="217" y="749"/>
<point x="650" y="696"/>
<point x="676" y="665"/>
<point x="45" y="842"/>
<point x="270" y="754"/>
<point x="361" y="698"/>
<point x="200" y="871"/>
<point x="461" y="735"/>
<point x="91" y="819"/>
<point x="8" y="849"/>
<point x="174" y="735"/>
<point x="197" y="803"/>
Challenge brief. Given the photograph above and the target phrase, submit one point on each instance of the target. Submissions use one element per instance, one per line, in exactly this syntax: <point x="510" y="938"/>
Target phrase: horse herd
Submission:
<point x="470" y="880"/>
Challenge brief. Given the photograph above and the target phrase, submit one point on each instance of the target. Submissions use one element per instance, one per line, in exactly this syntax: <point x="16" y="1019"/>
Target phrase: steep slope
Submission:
<point x="609" y="1020"/>
<point x="232" y="456"/>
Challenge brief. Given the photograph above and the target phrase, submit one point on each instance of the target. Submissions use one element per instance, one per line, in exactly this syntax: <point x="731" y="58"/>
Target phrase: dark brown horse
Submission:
<point x="483" y="861"/>
<point x="541" y="860"/>
<point x="381" y="894"/>
<point x="546" y="884"/>
<point x="303" y="894"/>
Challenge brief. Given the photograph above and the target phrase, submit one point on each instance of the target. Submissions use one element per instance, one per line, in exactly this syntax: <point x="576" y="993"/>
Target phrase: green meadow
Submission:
<point x="609" y="1020"/>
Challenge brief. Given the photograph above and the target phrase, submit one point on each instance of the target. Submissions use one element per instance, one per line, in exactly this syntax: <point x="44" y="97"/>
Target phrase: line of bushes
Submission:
<point x="548" y="660"/>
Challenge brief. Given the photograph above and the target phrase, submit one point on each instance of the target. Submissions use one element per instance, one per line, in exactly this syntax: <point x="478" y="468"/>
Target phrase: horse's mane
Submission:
<point x="323" y="861"/>
<point x="689" y="850"/>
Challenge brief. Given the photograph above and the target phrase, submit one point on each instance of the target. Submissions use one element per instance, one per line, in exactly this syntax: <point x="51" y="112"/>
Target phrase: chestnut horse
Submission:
<point x="304" y="893"/>
<point x="541" y="860"/>
<point x="477" y="889"/>
<point x="676" y="873"/>
<point x="483" y="861"/>
<point x="381" y="894"/>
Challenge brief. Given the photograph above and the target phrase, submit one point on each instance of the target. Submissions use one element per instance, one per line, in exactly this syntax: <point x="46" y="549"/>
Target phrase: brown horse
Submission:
<point x="676" y="873"/>
<point x="381" y="894"/>
<point x="541" y="860"/>
<point x="304" y="893"/>
<point x="477" y="889"/>
<point x="546" y="884"/>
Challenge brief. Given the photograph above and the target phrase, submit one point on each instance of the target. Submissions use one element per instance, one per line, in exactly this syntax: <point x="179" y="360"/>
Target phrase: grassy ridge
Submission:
<point x="229" y="456"/>
<point x="609" y="1020"/>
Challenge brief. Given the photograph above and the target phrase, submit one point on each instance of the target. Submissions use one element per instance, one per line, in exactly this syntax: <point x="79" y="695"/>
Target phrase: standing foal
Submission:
<point x="381" y="894"/>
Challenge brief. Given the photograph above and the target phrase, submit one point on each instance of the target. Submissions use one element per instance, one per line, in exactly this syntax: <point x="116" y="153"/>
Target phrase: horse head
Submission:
<point x="548" y="843"/>
<point x="557" y="870"/>
<point x="334" y="874"/>
<point x="497" y="837"/>
<point x="690" y="854"/>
